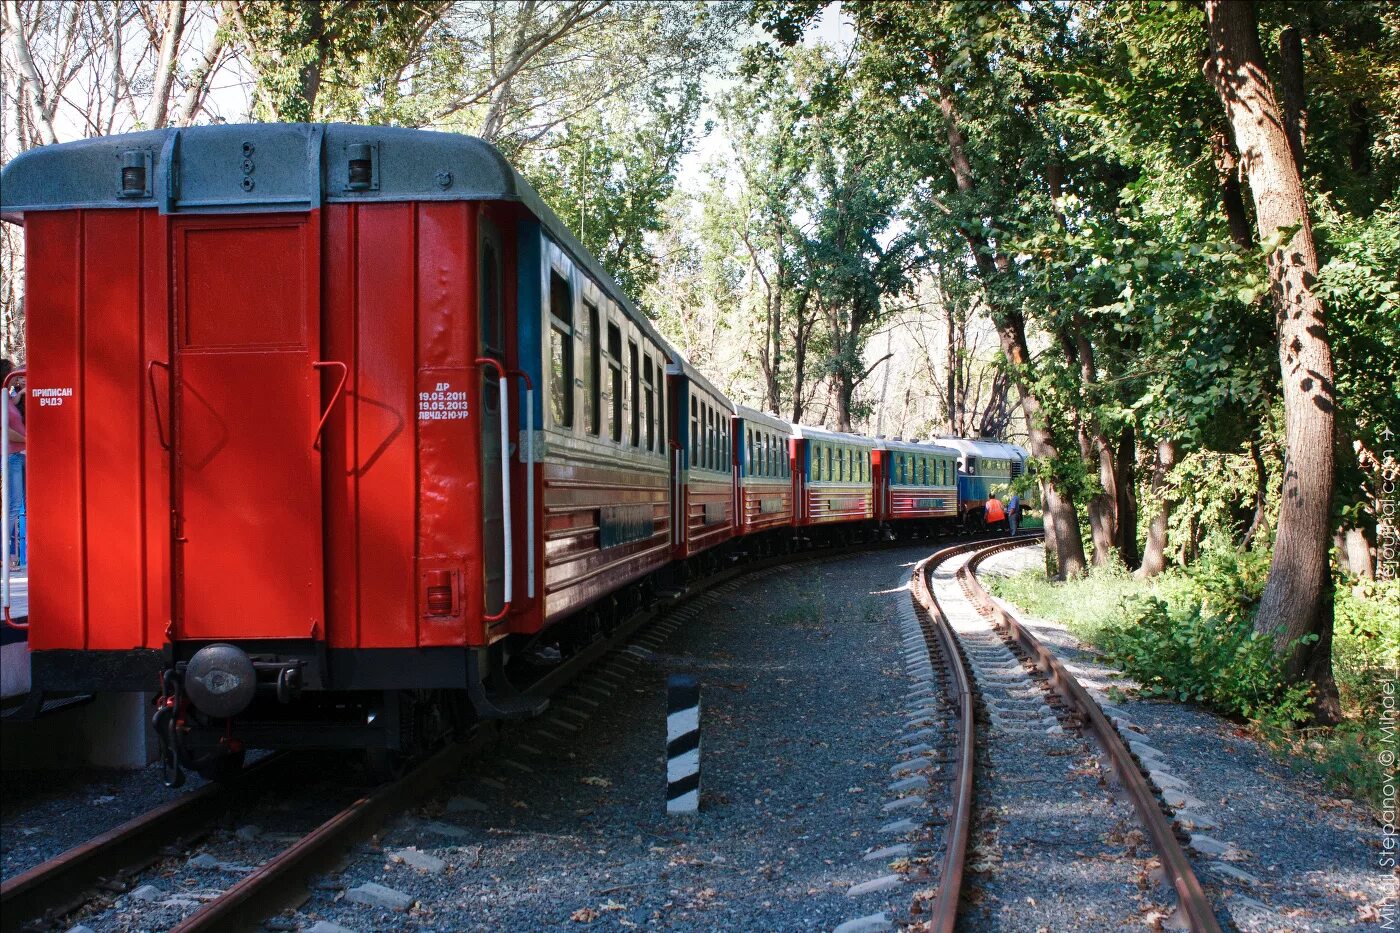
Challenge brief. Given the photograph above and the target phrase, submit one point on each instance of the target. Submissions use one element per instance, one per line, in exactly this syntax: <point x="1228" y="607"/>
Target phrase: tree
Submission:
<point x="1295" y="607"/>
<point x="952" y="104"/>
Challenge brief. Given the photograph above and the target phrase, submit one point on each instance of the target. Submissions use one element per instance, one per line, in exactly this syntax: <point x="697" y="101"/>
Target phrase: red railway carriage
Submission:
<point x="605" y="501"/>
<point x="836" y="478"/>
<point x="763" y="480"/>
<point x="917" y="484"/>
<point x="317" y="436"/>
<point x="702" y="492"/>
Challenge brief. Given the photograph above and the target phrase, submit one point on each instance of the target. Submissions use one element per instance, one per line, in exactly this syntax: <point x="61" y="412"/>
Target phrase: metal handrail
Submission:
<point x="5" y="498"/>
<point x="504" y="382"/>
<point x="155" y="398"/>
<point x="529" y="481"/>
<point x="335" y="397"/>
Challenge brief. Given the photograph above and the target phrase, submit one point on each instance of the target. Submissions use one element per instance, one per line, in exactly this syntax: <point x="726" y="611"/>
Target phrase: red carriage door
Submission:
<point x="248" y="534"/>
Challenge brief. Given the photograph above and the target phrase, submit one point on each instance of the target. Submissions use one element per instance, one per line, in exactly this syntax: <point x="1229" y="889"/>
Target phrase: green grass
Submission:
<point x="1188" y="635"/>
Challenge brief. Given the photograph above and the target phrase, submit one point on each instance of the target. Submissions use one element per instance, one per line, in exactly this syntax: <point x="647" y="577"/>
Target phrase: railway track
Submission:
<point x="980" y="663"/>
<point x="41" y="897"/>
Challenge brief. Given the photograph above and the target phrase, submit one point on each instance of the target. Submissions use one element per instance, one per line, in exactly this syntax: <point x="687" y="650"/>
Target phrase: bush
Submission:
<point x="1195" y="655"/>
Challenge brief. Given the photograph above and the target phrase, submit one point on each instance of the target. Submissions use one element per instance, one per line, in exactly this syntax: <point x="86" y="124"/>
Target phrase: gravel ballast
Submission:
<point x="1052" y="847"/>
<point x="802" y="697"/>
<point x="1276" y="849"/>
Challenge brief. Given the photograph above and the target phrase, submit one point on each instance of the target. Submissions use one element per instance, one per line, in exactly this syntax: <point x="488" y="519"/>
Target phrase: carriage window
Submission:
<point x="490" y="296"/>
<point x="649" y="379"/>
<point x="615" y="368"/>
<point x="661" y="407"/>
<point x="561" y="351"/>
<point x="704" y="453"/>
<point x="634" y="377"/>
<point x="592" y="383"/>
<point x="714" y="439"/>
<point x="694" y="432"/>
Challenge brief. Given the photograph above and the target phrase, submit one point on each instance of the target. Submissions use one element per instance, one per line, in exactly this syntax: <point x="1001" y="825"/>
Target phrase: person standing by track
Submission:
<point x="1013" y="512"/>
<point x="993" y="512"/>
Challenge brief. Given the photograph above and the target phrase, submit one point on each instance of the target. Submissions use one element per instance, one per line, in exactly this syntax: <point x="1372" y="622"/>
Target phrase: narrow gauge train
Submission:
<point x="341" y="427"/>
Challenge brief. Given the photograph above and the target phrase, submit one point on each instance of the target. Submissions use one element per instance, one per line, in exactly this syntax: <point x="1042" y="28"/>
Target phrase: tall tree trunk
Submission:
<point x="802" y="329"/>
<point x="1154" y="557"/>
<point x="1227" y="167"/>
<point x="1259" y="524"/>
<point x="39" y="113"/>
<point x="166" y="63"/>
<point x="1295" y="115"/>
<point x="1093" y="445"/>
<point x="1125" y="481"/>
<point x="845" y="391"/>
<point x="1297" y="598"/>
<point x="1011" y="331"/>
<point x="200" y="78"/>
<point x="1061" y="521"/>
<point x="952" y="358"/>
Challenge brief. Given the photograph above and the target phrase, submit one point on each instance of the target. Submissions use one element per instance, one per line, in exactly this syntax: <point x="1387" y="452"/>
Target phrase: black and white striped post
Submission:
<point x="682" y="743"/>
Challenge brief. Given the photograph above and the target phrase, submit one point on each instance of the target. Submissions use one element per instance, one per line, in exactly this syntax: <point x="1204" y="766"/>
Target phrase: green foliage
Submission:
<point x="1204" y="657"/>
<point x="313" y="58"/>
<point x="611" y="174"/>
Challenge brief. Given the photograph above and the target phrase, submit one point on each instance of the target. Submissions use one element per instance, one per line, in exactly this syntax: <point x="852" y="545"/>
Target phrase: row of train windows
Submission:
<point x="922" y="470"/>
<point x="638" y="375"/>
<point x="839" y="464"/>
<point x="767" y="455"/>
<point x="991" y="467"/>
<point x="709" y="437"/>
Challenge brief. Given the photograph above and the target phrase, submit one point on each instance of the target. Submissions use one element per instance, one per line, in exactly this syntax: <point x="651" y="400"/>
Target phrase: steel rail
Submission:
<point x="57" y="885"/>
<point x="282" y="880"/>
<point x="1199" y="913"/>
<point x="944" y="915"/>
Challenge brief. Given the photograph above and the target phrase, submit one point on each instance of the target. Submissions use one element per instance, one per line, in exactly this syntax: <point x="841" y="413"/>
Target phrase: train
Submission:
<point x="337" y="435"/>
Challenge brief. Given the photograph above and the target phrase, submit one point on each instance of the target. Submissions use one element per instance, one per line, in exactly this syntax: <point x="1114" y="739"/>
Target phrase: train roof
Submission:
<point x="984" y="447"/>
<point x="261" y="167"/>
<point x="922" y="447"/>
<point x="763" y="418"/>
<point x="840" y="437"/>
<point x="681" y="366"/>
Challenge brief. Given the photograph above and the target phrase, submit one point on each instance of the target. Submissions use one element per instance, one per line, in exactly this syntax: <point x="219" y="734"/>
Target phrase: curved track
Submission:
<point x="41" y="896"/>
<point x="48" y="891"/>
<point x="1196" y="909"/>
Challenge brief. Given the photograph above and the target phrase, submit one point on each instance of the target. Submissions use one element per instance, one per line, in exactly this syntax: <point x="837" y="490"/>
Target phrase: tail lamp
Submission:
<point x="440" y="593"/>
